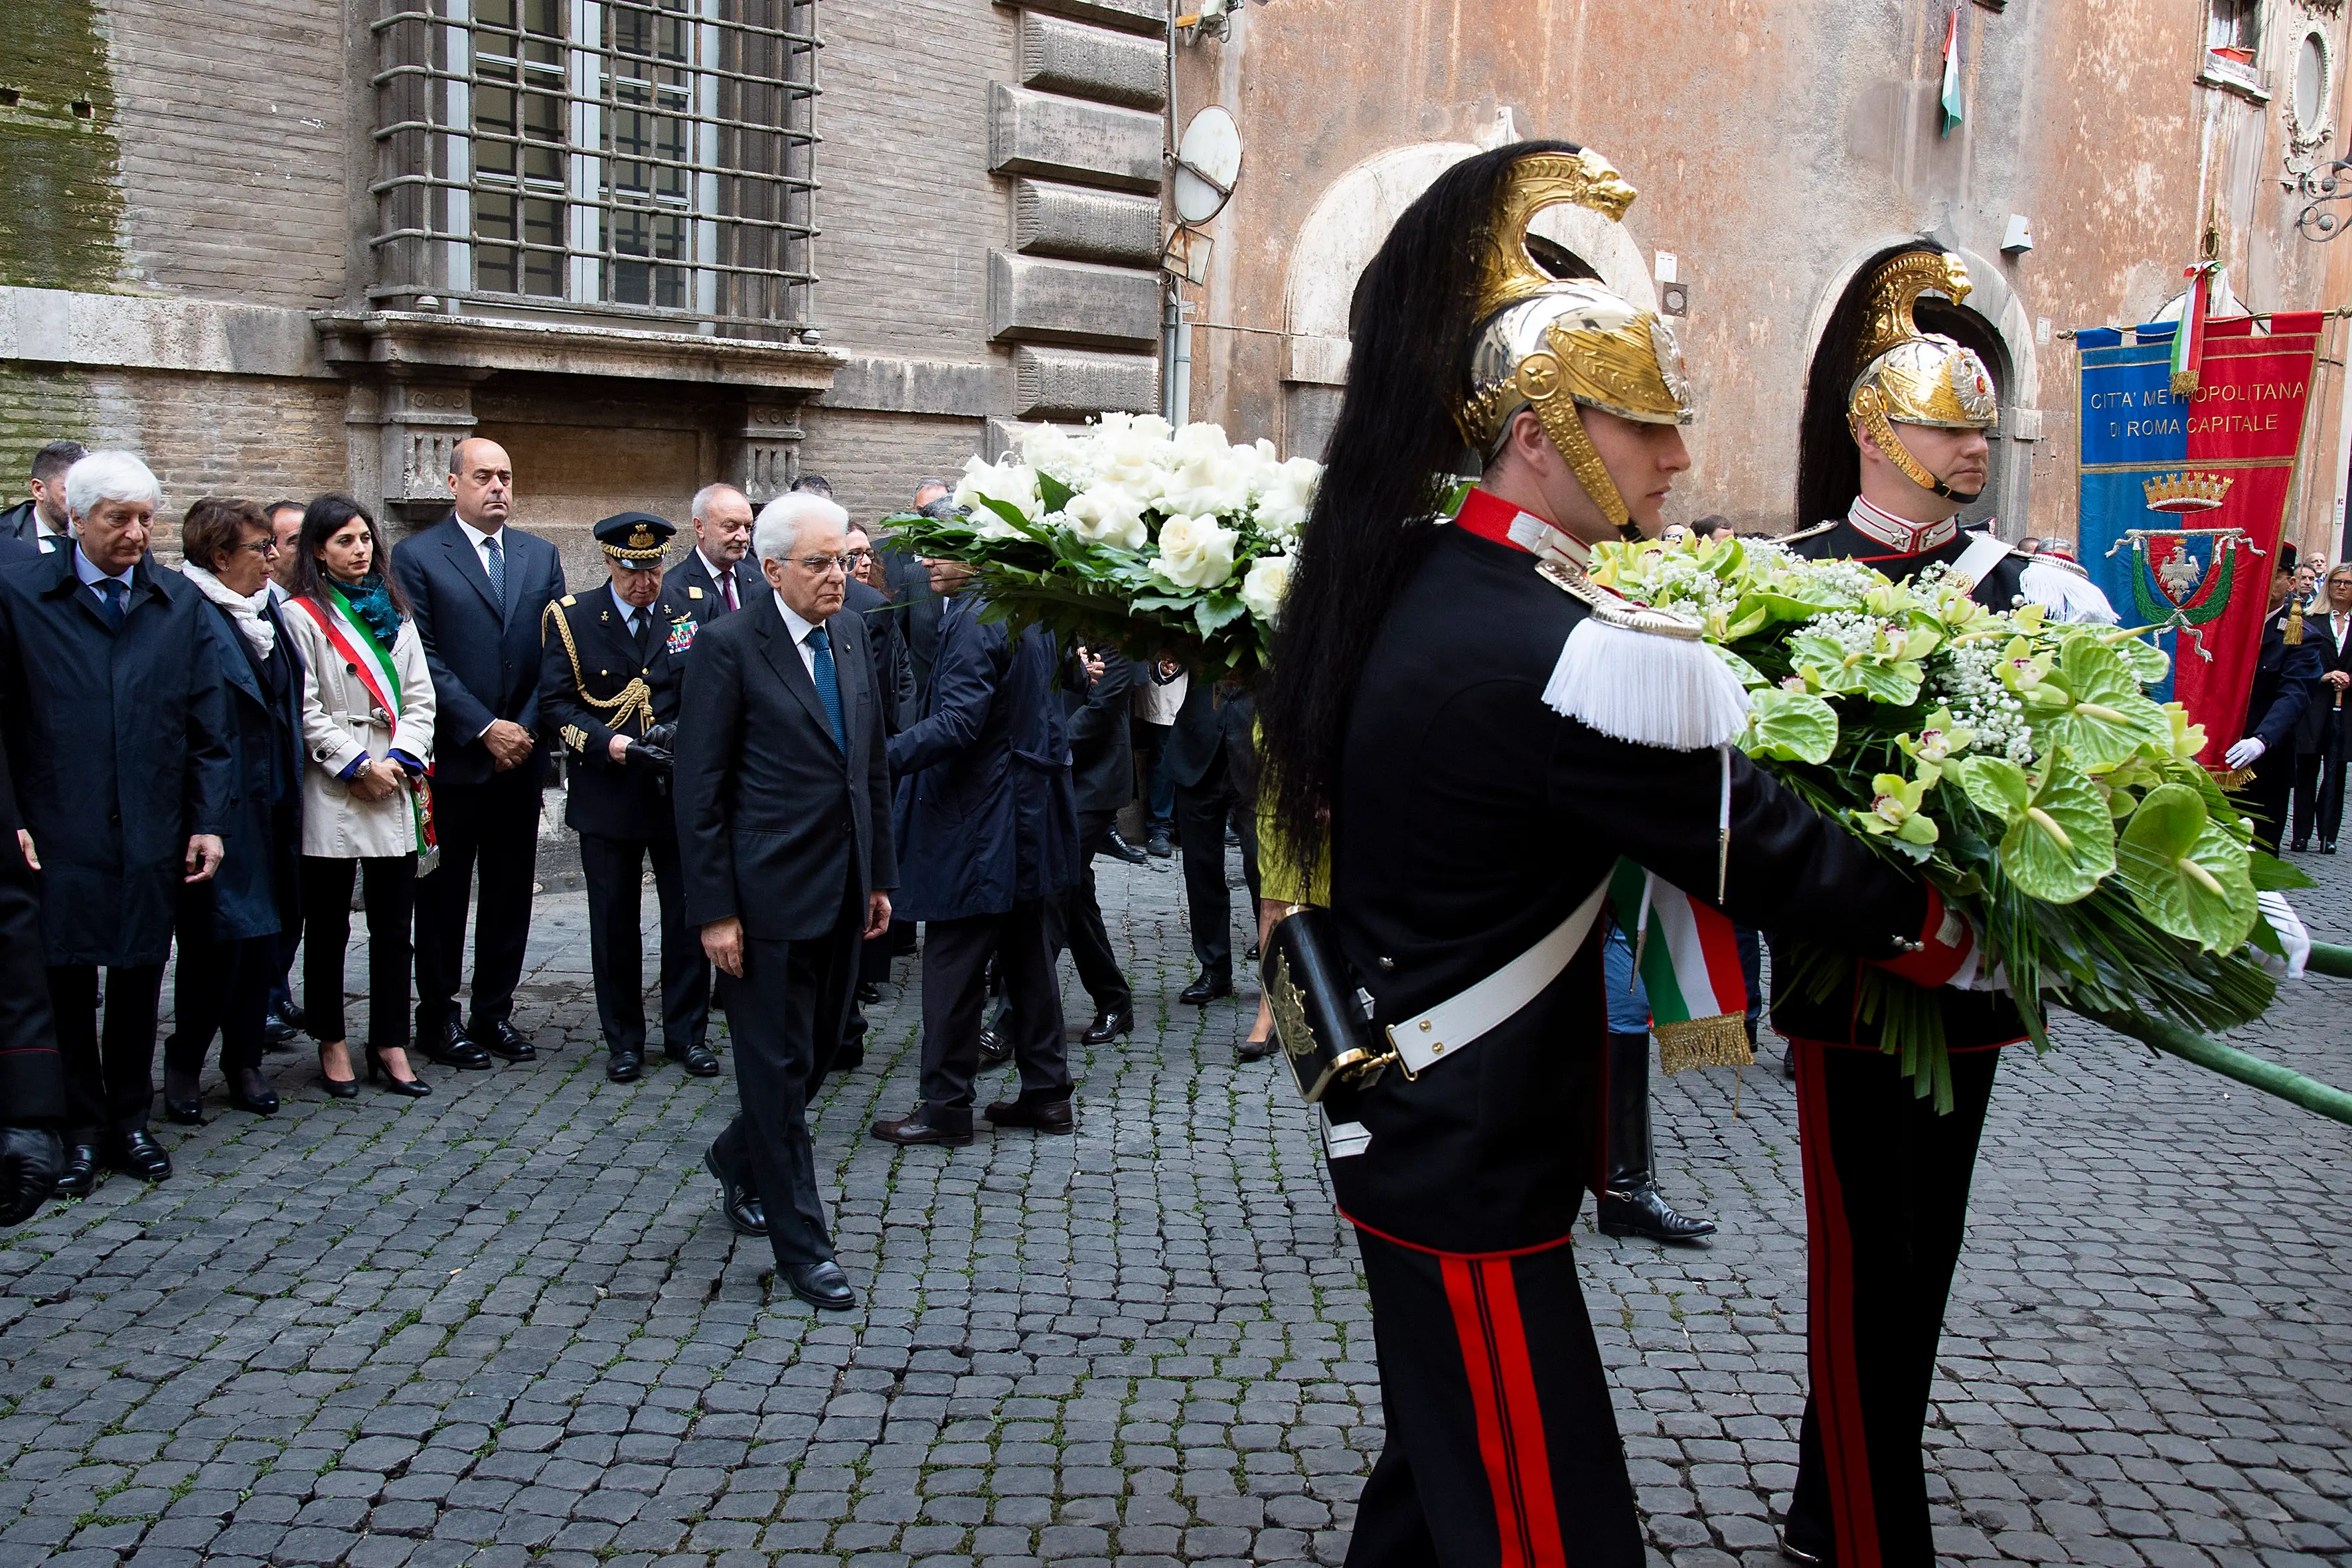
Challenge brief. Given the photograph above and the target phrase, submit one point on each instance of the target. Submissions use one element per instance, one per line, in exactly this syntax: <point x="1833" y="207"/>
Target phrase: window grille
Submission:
<point x="626" y="158"/>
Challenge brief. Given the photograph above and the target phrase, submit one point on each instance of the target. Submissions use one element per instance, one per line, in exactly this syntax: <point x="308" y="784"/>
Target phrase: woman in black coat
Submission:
<point x="228" y="927"/>
<point x="2319" y="735"/>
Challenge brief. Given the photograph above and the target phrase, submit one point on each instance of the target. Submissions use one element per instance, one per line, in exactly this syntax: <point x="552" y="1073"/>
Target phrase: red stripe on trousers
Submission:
<point x="1828" y="1247"/>
<point x="1485" y="1302"/>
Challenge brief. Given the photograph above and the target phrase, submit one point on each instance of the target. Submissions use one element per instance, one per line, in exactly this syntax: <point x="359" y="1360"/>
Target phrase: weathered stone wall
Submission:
<point x="60" y="207"/>
<point x="873" y="460"/>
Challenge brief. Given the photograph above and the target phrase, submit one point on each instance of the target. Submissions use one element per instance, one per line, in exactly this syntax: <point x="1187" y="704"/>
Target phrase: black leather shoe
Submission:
<point x="624" y="1067"/>
<point x="1159" y="845"/>
<point x="1109" y="1024"/>
<point x="699" y="1059"/>
<point x="2327" y="847"/>
<point x="184" y="1103"/>
<point x="2299" y="844"/>
<point x="1252" y="954"/>
<point x="995" y="1050"/>
<point x="1206" y="989"/>
<point x="1120" y="850"/>
<point x="249" y="1091"/>
<point x="952" y="1130"/>
<point x="136" y="1154"/>
<point x="743" y="1210"/>
<point x="78" y="1177"/>
<point x="822" y="1285"/>
<point x="1643" y="1211"/>
<point x="507" y="1043"/>
<point x="869" y="992"/>
<point x="279" y="1030"/>
<point x="1041" y="1115"/>
<point x="451" y="1047"/>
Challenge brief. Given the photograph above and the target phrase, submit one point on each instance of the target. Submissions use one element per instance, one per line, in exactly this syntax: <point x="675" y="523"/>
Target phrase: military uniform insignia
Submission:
<point x="681" y="636"/>
<point x="568" y="600"/>
<point x="694" y="593"/>
<point x="575" y="737"/>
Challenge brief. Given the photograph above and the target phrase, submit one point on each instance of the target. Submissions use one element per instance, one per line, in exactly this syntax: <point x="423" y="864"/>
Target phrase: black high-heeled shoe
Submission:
<point x="340" y="1088"/>
<point x="248" y="1090"/>
<point x="183" y="1101"/>
<point x="410" y="1088"/>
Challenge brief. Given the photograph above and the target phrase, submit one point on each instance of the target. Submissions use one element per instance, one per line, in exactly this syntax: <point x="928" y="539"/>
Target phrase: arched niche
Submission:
<point x="1345" y="228"/>
<point x="1993" y="321"/>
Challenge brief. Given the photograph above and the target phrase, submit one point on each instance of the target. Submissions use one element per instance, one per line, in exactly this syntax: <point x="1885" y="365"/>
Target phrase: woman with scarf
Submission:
<point x="227" y="927"/>
<point x="367" y="736"/>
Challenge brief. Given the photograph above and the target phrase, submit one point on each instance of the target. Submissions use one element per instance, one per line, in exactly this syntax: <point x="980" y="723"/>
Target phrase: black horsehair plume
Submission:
<point x="1393" y="447"/>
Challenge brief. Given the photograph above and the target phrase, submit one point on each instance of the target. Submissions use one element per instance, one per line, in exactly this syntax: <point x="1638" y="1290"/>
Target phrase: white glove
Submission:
<point x="2245" y="753"/>
<point x="1972" y="976"/>
<point x="2291" y="935"/>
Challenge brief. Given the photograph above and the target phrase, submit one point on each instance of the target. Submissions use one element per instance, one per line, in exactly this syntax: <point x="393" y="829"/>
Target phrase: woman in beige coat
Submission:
<point x="367" y="739"/>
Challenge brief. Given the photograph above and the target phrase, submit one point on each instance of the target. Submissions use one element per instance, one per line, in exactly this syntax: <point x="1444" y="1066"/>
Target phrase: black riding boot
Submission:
<point x="1632" y="1206"/>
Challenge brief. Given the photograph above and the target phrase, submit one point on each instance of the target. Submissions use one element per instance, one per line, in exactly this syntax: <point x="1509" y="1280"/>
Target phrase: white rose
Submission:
<point x="1194" y="552"/>
<point x="1014" y="484"/>
<point x="1049" y="451"/>
<point x="1290" y="494"/>
<point x="1268" y="581"/>
<point x="1108" y="515"/>
<point x="1201" y="439"/>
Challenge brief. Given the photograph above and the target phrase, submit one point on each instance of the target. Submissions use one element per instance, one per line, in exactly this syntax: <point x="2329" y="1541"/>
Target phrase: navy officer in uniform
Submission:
<point x="1485" y="732"/>
<point x="611" y="663"/>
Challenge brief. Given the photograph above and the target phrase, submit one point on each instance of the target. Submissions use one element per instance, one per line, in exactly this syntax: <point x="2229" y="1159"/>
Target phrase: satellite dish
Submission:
<point x="1208" y="162"/>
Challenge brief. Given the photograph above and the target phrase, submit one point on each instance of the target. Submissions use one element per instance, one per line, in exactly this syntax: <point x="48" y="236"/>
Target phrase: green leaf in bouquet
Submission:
<point x="2272" y="875"/>
<point x="1214" y="614"/>
<point x="1749" y="676"/>
<point x="2185" y="872"/>
<point x="1895" y="682"/>
<point x="1051" y="493"/>
<point x="2105" y="718"/>
<point x="2064" y="843"/>
<point x="1792" y="726"/>
<point x="1994" y="785"/>
<point x="1017" y="518"/>
<point x="2147" y="663"/>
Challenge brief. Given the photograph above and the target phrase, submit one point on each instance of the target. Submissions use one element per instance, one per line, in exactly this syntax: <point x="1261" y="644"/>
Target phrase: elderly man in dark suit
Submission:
<point x="1212" y="758"/>
<point x="479" y="589"/>
<point x="115" y="717"/>
<point x="614" y="659"/>
<point x="32" y="1074"/>
<point x="988" y="835"/>
<point x="782" y="792"/>
<point x="718" y="576"/>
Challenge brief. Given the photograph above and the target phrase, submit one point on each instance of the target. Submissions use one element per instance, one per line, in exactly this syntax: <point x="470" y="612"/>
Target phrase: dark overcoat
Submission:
<point x="485" y="663"/>
<point x="2286" y="683"/>
<point x="121" y="745"/>
<point x="32" y="1074"/>
<point x="254" y="892"/>
<point x="985" y="814"/>
<point x="1102" y="750"/>
<point x="613" y="800"/>
<point x="2322" y="728"/>
<point x="886" y="639"/>
<point x="778" y="825"/>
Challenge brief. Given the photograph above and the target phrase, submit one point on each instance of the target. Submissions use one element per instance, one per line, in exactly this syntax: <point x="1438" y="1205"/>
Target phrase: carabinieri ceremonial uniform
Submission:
<point x="1514" y="731"/>
<point x="611" y="672"/>
<point x="1887" y="1178"/>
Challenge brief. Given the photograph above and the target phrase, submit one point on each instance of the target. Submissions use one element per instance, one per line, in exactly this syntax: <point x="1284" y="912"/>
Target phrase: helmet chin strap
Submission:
<point x="1881" y="431"/>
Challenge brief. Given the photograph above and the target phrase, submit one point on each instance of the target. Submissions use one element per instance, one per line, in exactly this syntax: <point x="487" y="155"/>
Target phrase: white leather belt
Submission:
<point x="1984" y="553"/>
<point x="1459" y="1021"/>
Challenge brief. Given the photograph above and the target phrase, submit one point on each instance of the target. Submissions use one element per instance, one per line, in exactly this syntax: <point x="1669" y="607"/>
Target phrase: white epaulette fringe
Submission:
<point x="1647" y="688"/>
<point x="2067" y="595"/>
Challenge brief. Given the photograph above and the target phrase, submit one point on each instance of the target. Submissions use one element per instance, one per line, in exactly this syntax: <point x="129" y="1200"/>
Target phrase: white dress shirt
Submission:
<point x="49" y="540"/>
<point x="86" y="570"/>
<point x="800" y="631"/>
<point x="480" y="541"/>
<point x="628" y="611"/>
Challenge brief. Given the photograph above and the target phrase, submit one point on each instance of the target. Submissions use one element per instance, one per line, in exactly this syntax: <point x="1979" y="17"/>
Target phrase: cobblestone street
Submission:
<point x="508" y="1324"/>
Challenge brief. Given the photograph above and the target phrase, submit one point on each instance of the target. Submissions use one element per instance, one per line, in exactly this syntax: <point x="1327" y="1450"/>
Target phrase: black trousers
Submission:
<point x="109" y="1077"/>
<point x="2264" y="798"/>
<point x="1078" y="926"/>
<point x="490" y="829"/>
<point x="1201" y="812"/>
<point x="221" y="988"/>
<point x="785" y="1016"/>
<point x="955" y="990"/>
<point x="1501" y="1444"/>
<point x="615" y="869"/>
<point x="2318" y="794"/>
<point x="1886" y="1204"/>
<point x="390" y="884"/>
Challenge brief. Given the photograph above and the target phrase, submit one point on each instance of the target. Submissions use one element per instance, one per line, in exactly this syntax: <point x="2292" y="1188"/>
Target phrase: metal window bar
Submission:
<point x="632" y="158"/>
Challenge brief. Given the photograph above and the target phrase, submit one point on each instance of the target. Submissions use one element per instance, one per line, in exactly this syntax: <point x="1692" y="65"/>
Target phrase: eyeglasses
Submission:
<point x="851" y="562"/>
<point x="262" y="547"/>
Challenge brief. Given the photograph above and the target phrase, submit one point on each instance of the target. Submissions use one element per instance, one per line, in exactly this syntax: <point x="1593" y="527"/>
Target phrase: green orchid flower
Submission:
<point x="1896" y="809"/>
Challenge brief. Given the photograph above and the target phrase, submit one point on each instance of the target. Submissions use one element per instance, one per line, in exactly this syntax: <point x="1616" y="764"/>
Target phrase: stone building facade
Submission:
<point x="282" y="246"/>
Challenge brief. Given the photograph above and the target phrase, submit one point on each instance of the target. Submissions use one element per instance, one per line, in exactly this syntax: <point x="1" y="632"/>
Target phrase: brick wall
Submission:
<point x="874" y="459"/>
<point x="231" y="116"/>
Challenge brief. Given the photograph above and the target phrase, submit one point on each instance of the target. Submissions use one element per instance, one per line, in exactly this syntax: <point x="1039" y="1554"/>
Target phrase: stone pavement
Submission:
<point x="506" y="1324"/>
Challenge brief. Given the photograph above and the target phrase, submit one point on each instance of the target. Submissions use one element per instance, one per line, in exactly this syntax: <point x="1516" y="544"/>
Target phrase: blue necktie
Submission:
<point x="497" y="569"/>
<point x="828" y="687"/>
<point x="110" y="593"/>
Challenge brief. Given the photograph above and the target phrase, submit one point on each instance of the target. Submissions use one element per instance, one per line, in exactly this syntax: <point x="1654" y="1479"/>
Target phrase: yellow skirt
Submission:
<point x="1279" y="872"/>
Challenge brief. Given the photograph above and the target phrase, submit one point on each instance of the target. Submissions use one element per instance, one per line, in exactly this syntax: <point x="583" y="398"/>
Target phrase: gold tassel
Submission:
<point x="2234" y="778"/>
<point x="2294" y="635"/>
<point x="2184" y="382"/>
<point x="1717" y="1042"/>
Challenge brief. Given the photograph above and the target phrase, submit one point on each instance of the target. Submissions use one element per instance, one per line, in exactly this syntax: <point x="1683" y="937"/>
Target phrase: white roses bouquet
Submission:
<point x="1134" y="535"/>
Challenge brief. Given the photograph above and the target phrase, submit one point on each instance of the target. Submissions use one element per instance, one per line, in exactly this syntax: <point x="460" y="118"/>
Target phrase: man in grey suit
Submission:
<point x="783" y="791"/>
<point x="479" y="590"/>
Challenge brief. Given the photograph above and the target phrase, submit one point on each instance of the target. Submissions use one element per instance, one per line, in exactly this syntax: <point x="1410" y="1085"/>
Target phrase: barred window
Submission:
<point x="615" y="157"/>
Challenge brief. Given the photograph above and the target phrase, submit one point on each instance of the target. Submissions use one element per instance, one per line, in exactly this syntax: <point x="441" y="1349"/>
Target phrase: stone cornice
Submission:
<point x="391" y="341"/>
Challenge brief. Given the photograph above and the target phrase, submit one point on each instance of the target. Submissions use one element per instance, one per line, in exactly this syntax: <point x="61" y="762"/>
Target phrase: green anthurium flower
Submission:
<point x="2186" y="872"/>
<point x="1792" y="726"/>
<point x="2064" y="843"/>
<point x="1994" y="785"/>
<point x="2103" y="719"/>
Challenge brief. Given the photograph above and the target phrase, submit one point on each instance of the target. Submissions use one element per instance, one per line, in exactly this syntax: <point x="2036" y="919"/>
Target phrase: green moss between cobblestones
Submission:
<point x="61" y="198"/>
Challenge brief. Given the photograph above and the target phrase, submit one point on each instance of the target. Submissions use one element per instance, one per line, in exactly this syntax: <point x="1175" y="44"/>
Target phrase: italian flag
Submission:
<point x="1688" y="959"/>
<point x="2188" y="337"/>
<point x="1952" y="70"/>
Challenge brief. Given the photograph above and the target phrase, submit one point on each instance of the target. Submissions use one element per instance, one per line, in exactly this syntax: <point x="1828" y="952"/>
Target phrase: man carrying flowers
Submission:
<point x="1479" y="732"/>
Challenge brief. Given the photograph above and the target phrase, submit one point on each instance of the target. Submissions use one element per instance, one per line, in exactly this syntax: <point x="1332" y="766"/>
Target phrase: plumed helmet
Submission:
<point x="1551" y="344"/>
<point x="1914" y="377"/>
